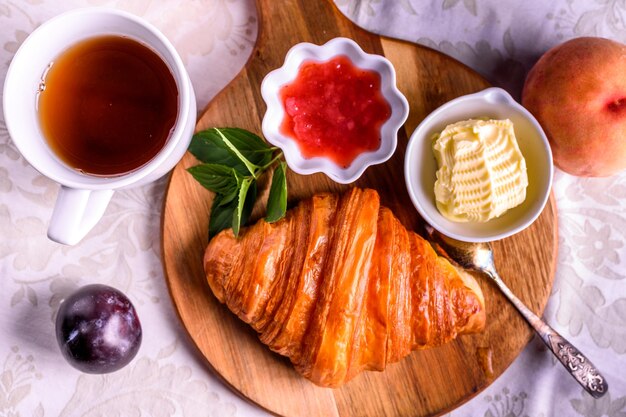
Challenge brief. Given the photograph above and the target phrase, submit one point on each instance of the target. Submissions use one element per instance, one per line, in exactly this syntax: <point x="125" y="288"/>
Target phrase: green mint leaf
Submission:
<point x="221" y="215"/>
<point x="208" y="147"/>
<point x="227" y="198"/>
<point x="255" y="149"/>
<point x="277" y="199"/>
<point x="217" y="178"/>
<point x="252" y="168"/>
<point x="249" y="203"/>
<point x="240" y="203"/>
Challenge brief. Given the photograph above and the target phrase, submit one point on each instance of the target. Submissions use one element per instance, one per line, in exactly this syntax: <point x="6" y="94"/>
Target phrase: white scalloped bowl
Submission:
<point x="420" y="165"/>
<point x="270" y="88"/>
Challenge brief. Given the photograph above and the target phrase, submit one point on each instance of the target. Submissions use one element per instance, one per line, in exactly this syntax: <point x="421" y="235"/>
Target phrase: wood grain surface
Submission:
<point x="427" y="382"/>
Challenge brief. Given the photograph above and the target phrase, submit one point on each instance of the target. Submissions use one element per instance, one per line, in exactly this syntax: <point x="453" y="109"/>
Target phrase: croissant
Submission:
<point x="340" y="286"/>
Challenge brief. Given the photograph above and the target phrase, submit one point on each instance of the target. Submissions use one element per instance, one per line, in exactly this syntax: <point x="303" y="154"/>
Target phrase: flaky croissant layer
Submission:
<point x="340" y="286"/>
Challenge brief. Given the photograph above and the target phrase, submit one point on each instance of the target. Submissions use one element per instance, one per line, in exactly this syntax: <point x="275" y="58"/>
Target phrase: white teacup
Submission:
<point x="83" y="198"/>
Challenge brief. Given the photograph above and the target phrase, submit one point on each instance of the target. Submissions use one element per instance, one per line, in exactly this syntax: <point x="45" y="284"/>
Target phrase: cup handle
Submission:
<point x="76" y="212"/>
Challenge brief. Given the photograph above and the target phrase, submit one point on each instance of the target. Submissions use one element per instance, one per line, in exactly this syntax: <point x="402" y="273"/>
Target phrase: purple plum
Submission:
<point x="98" y="329"/>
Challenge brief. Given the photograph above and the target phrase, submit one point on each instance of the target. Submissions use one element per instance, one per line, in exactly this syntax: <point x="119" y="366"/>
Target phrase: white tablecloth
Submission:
<point x="501" y="39"/>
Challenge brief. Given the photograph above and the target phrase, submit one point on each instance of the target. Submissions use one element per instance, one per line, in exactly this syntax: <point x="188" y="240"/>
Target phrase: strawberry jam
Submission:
<point x="334" y="109"/>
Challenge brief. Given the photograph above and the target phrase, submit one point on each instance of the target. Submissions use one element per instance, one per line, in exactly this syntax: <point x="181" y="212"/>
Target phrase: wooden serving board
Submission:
<point x="427" y="382"/>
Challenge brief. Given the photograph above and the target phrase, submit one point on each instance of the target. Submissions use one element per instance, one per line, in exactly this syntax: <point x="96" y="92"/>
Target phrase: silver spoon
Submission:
<point x="479" y="257"/>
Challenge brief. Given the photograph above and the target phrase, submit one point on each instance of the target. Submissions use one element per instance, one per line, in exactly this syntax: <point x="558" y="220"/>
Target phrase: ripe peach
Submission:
<point x="577" y="92"/>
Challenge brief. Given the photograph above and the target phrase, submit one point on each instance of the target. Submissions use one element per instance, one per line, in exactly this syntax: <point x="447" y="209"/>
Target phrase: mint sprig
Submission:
<point x="232" y="161"/>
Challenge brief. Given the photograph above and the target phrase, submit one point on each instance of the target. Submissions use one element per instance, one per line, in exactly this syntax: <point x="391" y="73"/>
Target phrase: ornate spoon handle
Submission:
<point x="574" y="361"/>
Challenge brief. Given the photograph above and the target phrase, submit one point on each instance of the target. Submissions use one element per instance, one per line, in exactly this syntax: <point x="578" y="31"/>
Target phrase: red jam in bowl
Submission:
<point x="334" y="109"/>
